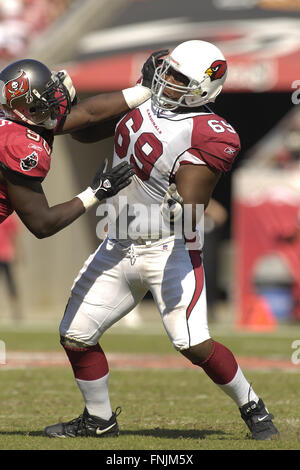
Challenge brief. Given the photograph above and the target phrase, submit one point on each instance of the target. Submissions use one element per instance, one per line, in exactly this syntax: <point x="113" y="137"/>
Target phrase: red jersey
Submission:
<point x="25" y="152"/>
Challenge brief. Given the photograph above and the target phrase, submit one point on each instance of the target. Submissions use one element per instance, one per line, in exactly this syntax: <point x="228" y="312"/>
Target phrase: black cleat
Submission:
<point x="259" y="421"/>
<point x="86" y="426"/>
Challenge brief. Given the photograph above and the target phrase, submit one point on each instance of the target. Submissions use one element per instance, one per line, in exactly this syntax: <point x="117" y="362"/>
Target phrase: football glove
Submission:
<point x="150" y="65"/>
<point x="172" y="206"/>
<point x="67" y="82"/>
<point x="107" y="184"/>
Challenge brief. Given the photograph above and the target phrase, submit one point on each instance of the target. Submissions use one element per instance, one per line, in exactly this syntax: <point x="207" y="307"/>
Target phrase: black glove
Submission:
<point x="155" y="59"/>
<point x="107" y="184"/>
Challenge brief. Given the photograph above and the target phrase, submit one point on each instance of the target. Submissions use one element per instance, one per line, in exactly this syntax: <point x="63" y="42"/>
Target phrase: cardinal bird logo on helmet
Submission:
<point x="217" y="69"/>
<point x="17" y="87"/>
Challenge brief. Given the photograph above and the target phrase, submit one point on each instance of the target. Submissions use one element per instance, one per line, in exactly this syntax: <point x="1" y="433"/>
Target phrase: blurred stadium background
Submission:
<point x="102" y="43"/>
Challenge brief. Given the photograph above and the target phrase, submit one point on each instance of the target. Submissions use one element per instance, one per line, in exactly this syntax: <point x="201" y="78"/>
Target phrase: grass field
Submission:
<point x="162" y="409"/>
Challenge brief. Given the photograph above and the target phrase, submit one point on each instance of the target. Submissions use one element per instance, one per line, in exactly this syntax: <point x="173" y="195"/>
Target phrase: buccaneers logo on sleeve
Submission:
<point x="217" y="69"/>
<point x="17" y="87"/>
<point x="29" y="162"/>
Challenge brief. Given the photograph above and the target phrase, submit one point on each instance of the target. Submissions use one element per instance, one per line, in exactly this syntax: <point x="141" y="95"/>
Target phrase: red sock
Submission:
<point x="89" y="363"/>
<point x="221" y="365"/>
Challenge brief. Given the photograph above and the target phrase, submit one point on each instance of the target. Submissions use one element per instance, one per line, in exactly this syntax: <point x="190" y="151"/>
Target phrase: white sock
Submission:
<point x="96" y="397"/>
<point x="239" y="389"/>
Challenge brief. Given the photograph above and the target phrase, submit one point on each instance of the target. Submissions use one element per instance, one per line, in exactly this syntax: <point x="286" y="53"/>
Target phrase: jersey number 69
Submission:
<point x="147" y="148"/>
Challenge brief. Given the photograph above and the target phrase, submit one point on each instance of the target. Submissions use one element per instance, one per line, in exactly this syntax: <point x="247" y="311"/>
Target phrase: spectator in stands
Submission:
<point x="56" y="8"/>
<point x="22" y="20"/>
<point x="14" y="30"/>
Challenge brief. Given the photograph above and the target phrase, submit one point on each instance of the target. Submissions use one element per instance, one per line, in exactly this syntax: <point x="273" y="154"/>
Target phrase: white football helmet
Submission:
<point x="202" y="68"/>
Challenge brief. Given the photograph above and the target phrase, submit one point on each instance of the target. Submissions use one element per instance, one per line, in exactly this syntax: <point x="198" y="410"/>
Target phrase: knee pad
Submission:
<point x="74" y="344"/>
<point x="180" y="345"/>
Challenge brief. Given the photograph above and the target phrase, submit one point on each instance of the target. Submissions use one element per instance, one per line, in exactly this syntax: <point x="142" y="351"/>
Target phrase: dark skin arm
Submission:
<point x="96" y="132"/>
<point x="195" y="184"/>
<point x="30" y="203"/>
<point x="94" y="110"/>
<point x="106" y="106"/>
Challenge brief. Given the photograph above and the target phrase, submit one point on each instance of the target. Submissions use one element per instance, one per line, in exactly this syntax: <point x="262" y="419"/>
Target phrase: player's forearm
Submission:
<point x="53" y="219"/>
<point x="96" y="132"/>
<point x="191" y="217"/>
<point x="105" y="106"/>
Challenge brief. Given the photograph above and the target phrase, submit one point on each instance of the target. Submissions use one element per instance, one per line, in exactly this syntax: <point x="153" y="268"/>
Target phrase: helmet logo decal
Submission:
<point x="29" y="162"/>
<point x="17" y="87"/>
<point x="217" y="69"/>
<point x="174" y="61"/>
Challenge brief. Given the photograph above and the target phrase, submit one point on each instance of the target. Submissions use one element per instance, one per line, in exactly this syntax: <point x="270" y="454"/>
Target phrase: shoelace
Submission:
<point x="256" y="412"/>
<point x="80" y="423"/>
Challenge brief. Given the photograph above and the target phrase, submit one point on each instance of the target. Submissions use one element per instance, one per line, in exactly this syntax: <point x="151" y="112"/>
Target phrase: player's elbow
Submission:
<point x="41" y="233"/>
<point x="42" y="230"/>
<point x="37" y="234"/>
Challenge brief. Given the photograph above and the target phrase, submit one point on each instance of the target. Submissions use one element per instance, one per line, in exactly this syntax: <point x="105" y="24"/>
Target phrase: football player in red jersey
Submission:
<point x="38" y="104"/>
<point x="179" y="149"/>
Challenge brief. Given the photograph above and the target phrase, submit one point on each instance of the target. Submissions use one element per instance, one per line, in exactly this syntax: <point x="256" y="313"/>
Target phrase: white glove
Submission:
<point x="67" y="82"/>
<point x="172" y="206"/>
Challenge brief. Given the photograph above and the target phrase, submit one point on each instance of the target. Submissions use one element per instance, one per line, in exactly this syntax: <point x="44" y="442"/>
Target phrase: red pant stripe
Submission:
<point x="196" y="261"/>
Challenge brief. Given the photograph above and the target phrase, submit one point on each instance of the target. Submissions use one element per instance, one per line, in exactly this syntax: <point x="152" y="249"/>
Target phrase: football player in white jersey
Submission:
<point x="179" y="149"/>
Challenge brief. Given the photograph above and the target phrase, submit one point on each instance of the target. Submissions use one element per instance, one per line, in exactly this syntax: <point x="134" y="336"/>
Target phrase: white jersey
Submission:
<point x="117" y="276"/>
<point x="157" y="143"/>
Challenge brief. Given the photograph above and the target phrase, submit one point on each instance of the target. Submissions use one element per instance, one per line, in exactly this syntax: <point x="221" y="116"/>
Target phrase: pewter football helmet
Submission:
<point x="31" y="93"/>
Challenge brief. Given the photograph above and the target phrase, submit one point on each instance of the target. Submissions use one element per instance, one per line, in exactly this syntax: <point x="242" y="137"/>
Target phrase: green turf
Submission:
<point x="258" y="345"/>
<point x="161" y="409"/>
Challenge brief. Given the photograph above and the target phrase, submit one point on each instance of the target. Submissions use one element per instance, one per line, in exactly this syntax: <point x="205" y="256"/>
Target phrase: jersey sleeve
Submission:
<point x="214" y="143"/>
<point x="23" y="156"/>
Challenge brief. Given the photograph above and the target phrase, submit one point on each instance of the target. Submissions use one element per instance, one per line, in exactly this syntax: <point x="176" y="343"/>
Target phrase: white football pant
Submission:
<point x="117" y="276"/>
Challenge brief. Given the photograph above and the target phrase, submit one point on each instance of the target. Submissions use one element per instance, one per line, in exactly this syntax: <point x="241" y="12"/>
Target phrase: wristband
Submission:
<point x="88" y="198"/>
<point x="136" y="95"/>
